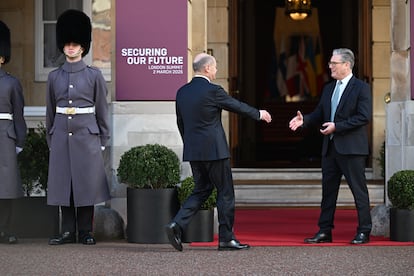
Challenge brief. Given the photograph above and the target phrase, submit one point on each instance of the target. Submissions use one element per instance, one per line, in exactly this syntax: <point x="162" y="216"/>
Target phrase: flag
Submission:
<point x="310" y="67"/>
<point x="301" y="68"/>
<point x="320" y="71"/>
<point x="292" y="75"/>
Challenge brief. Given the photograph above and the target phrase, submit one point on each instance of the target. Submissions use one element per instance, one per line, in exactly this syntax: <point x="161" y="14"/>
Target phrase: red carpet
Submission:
<point x="288" y="227"/>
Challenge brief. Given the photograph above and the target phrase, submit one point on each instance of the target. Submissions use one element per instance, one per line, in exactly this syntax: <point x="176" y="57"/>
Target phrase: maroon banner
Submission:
<point x="412" y="49"/>
<point x="151" y="49"/>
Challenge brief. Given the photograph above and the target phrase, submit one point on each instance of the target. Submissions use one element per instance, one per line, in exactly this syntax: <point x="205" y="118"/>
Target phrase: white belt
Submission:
<point x="75" y="110"/>
<point x="6" y="116"/>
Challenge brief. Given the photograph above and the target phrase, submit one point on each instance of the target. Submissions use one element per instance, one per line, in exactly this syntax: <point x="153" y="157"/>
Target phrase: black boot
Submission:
<point x="66" y="237"/>
<point x="7" y="238"/>
<point x="87" y="238"/>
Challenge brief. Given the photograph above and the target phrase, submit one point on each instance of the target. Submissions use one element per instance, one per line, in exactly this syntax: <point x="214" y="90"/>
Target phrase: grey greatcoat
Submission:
<point x="12" y="134"/>
<point x="75" y="141"/>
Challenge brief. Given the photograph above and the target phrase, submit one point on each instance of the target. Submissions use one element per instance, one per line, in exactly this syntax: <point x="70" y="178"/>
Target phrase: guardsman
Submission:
<point x="77" y="132"/>
<point x="12" y="136"/>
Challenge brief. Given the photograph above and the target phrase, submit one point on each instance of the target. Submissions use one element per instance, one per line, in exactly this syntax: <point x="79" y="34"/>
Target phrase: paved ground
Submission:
<point x="35" y="257"/>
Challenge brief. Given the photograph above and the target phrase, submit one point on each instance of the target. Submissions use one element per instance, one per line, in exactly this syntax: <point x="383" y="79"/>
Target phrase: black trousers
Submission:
<point x="5" y="214"/>
<point x="334" y="166"/>
<point x="77" y="219"/>
<point x="207" y="175"/>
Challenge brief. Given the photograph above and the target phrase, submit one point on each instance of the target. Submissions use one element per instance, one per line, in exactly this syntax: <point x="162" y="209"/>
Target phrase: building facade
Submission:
<point x="220" y="27"/>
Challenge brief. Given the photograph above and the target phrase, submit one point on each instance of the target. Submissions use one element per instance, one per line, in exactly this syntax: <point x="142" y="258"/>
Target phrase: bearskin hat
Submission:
<point x="74" y="26"/>
<point x="4" y="42"/>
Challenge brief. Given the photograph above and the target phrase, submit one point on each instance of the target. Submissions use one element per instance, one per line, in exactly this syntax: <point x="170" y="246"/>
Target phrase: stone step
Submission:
<point x="287" y="188"/>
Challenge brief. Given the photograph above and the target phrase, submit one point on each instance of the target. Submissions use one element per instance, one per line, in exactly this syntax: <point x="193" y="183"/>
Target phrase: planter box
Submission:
<point x="401" y="225"/>
<point x="33" y="218"/>
<point x="201" y="227"/>
<point x="148" y="211"/>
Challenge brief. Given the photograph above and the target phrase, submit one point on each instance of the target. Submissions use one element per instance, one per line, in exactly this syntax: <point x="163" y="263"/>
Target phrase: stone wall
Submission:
<point x="140" y="123"/>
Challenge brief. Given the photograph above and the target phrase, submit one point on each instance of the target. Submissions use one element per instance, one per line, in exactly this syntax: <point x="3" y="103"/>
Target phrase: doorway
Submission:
<point x="255" y="58"/>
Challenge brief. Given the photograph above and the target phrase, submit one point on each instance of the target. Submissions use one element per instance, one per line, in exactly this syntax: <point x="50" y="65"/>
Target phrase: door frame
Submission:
<point x="233" y="76"/>
<point x="365" y="65"/>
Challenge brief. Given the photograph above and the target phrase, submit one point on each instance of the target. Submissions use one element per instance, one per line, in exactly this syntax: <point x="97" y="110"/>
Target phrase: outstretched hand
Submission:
<point x="296" y="122"/>
<point x="265" y="116"/>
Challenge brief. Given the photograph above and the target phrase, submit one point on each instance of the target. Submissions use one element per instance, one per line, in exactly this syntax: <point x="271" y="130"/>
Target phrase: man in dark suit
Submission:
<point x="199" y="105"/>
<point x="345" y="144"/>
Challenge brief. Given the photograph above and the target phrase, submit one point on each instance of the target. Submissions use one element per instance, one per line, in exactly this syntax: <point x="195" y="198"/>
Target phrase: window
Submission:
<point x="47" y="56"/>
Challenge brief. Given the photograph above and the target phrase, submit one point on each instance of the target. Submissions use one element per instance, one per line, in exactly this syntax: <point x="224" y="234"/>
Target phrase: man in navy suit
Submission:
<point x="345" y="144"/>
<point x="199" y="105"/>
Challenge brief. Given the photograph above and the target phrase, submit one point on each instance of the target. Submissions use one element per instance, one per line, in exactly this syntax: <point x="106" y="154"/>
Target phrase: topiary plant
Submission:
<point x="151" y="166"/>
<point x="187" y="187"/>
<point x="401" y="189"/>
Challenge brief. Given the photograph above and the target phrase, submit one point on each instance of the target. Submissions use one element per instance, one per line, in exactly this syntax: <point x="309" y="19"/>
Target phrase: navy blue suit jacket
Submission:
<point x="199" y="105"/>
<point x="352" y="116"/>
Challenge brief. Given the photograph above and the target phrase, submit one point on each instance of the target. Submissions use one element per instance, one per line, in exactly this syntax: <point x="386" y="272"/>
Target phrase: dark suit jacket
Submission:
<point x="199" y="104"/>
<point x="352" y="116"/>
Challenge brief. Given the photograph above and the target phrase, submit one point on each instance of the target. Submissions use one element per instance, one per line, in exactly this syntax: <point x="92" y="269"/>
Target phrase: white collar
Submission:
<point x="201" y="76"/>
<point x="346" y="80"/>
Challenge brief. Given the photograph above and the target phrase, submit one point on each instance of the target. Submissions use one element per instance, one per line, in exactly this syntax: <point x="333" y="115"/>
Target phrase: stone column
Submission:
<point x="400" y="111"/>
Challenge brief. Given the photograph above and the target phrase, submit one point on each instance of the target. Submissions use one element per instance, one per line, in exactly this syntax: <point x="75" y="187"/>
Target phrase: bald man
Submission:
<point x="199" y="105"/>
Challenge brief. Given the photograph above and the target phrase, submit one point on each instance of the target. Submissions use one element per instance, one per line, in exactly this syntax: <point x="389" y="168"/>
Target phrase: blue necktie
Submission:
<point x="335" y="100"/>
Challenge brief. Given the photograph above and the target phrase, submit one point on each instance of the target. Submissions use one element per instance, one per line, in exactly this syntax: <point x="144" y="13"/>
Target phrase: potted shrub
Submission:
<point x="151" y="173"/>
<point x="401" y="194"/>
<point x="32" y="217"/>
<point x="201" y="227"/>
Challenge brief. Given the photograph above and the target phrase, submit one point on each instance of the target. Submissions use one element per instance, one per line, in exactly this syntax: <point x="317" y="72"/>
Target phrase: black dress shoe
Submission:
<point x="66" y="237"/>
<point x="7" y="239"/>
<point x="360" y="238"/>
<point x="12" y="240"/>
<point x="320" y="237"/>
<point x="232" y="245"/>
<point x="174" y="235"/>
<point x="88" y="239"/>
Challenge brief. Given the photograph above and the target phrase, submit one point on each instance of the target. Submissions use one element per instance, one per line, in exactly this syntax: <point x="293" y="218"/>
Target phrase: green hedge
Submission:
<point x="187" y="187"/>
<point x="151" y="166"/>
<point x="401" y="189"/>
